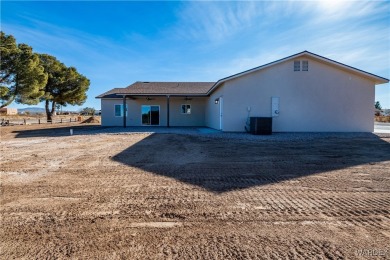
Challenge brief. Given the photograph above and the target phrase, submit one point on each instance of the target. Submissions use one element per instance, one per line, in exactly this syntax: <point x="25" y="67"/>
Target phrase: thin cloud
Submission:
<point x="215" y="21"/>
<point x="334" y="11"/>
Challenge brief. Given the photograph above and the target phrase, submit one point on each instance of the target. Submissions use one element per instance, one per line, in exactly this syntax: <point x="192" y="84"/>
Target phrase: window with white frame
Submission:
<point x="186" y="109"/>
<point x="119" y="110"/>
<point x="297" y="65"/>
<point x="305" y="65"/>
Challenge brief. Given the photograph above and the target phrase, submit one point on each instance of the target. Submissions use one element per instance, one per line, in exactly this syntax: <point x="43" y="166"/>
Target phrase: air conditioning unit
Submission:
<point x="260" y="125"/>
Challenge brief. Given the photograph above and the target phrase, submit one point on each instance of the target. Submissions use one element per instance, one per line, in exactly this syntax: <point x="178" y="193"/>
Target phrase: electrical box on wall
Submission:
<point x="275" y="106"/>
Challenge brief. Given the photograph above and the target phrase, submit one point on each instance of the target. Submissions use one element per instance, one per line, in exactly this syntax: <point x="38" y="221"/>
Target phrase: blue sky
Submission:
<point x="117" y="43"/>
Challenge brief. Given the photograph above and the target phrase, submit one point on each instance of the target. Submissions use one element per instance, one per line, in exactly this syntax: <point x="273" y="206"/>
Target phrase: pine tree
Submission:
<point x="64" y="85"/>
<point x="21" y="75"/>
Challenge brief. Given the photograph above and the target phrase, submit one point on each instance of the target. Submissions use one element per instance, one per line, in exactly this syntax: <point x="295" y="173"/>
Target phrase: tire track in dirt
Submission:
<point x="114" y="197"/>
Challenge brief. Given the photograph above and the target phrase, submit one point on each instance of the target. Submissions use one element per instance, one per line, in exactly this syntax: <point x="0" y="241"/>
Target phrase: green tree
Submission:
<point x="21" y="75"/>
<point x="64" y="85"/>
<point x="88" y="111"/>
<point x="378" y="105"/>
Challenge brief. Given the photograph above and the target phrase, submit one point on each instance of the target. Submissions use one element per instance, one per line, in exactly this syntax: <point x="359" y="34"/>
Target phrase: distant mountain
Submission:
<point x="36" y="110"/>
<point x="32" y="110"/>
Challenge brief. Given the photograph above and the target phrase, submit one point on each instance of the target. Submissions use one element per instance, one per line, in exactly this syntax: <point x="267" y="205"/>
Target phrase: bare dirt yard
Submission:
<point x="95" y="195"/>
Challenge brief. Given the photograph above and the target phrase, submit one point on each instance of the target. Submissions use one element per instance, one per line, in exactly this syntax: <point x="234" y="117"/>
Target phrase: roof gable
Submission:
<point x="373" y="77"/>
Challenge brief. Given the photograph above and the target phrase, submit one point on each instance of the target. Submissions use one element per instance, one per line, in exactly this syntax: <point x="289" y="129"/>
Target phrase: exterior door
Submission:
<point x="220" y="113"/>
<point x="150" y="115"/>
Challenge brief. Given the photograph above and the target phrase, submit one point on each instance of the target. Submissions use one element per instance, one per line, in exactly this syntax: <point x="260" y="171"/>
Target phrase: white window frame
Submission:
<point x="121" y="113"/>
<point x="305" y="65"/>
<point x="297" y="65"/>
<point x="187" y="112"/>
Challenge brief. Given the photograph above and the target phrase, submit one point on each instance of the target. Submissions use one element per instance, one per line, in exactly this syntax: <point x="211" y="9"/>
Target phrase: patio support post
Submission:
<point x="124" y="111"/>
<point x="168" y="111"/>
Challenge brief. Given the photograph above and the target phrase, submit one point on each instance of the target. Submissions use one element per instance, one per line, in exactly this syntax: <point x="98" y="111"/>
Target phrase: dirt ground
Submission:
<point x="172" y="196"/>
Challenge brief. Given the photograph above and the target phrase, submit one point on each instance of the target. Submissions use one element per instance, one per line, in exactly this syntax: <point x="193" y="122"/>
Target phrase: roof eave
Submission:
<point x="154" y="94"/>
<point x="376" y="79"/>
<point x="163" y="94"/>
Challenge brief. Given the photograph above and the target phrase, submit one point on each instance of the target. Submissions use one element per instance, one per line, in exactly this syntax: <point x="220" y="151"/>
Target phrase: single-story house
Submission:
<point x="304" y="92"/>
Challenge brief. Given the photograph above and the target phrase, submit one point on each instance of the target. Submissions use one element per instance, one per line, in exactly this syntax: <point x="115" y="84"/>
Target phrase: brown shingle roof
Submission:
<point x="110" y="93"/>
<point x="161" y="88"/>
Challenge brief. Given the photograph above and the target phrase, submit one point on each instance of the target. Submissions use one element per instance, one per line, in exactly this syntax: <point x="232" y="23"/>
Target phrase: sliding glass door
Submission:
<point x="150" y="115"/>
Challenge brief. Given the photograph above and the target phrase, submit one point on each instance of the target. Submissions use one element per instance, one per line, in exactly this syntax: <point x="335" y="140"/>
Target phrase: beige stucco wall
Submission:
<point x="323" y="99"/>
<point x="196" y="118"/>
<point x="108" y="112"/>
